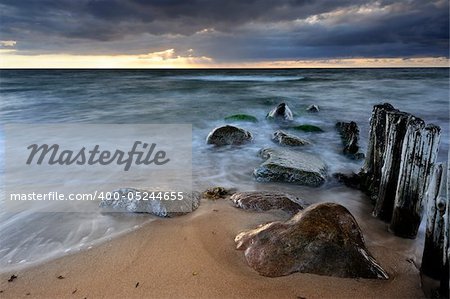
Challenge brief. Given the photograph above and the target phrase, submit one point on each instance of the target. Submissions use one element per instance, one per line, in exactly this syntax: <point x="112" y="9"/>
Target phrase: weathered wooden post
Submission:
<point x="395" y="127"/>
<point x="349" y="132"/>
<point x="419" y="154"/>
<point x="371" y="172"/>
<point x="434" y="254"/>
<point x="444" y="289"/>
<point x="400" y="155"/>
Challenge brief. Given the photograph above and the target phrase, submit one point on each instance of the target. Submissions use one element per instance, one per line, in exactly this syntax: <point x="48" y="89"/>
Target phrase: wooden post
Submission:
<point x="433" y="258"/>
<point x="419" y="154"/>
<point x="444" y="289"/>
<point x="400" y="155"/>
<point x="395" y="127"/>
<point x="371" y="173"/>
<point x="349" y="132"/>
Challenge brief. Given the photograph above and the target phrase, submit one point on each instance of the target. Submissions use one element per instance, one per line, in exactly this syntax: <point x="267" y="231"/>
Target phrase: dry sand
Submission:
<point x="195" y="256"/>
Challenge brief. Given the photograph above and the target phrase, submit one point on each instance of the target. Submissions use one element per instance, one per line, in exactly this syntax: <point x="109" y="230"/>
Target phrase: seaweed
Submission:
<point x="241" y="117"/>
<point x="307" y="128"/>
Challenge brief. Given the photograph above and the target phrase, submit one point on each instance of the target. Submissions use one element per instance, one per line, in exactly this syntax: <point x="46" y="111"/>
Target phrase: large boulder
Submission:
<point x="228" y="135"/>
<point x="281" y="112"/>
<point x="283" y="165"/>
<point x="141" y="201"/>
<point x="284" y="138"/>
<point x="349" y="132"/>
<point x="323" y="239"/>
<point x="267" y="200"/>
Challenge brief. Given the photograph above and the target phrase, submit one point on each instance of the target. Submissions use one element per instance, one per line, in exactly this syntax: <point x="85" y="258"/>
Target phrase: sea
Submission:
<point x="203" y="98"/>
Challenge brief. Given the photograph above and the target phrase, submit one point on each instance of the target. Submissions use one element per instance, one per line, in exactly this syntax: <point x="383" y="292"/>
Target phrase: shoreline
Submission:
<point x="195" y="256"/>
<point x="74" y="251"/>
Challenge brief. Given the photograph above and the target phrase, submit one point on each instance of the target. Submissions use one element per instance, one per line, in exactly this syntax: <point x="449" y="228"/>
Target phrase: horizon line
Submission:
<point x="227" y="68"/>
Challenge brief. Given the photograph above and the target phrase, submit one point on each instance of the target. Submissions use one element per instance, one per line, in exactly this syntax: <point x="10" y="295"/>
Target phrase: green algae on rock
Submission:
<point x="241" y="117"/>
<point x="307" y="128"/>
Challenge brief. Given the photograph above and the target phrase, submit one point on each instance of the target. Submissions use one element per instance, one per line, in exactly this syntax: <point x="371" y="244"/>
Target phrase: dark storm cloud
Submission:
<point x="254" y="29"/>
<point x="177" y="16"/>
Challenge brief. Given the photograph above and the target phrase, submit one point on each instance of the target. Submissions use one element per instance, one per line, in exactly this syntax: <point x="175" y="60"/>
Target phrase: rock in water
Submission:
<point x="228" y="135"/>
<point x="283" y="165"/>
<point x="351" y="180"/>
<point x="323" y="239"/>
<point x="216" y="193"/>
<point x="267" y="200"/>
<point x="313" y="108"/>
<point x="350" y="134"/>
<point x="139" y="201"/>
<point x="284" y="138"/>
<point x="281" y="112"/>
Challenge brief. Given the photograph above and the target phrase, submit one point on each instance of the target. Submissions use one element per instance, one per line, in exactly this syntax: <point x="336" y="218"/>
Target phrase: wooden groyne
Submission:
<point x="401" y="153"/>
<point x="434" y="253"/>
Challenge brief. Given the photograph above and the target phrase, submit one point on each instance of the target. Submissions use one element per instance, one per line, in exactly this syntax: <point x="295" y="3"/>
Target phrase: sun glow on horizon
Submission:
<point x="10" y="58"/>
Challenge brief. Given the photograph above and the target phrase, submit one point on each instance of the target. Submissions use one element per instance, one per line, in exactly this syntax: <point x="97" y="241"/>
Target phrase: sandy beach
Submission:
<point x="195" y="256"/>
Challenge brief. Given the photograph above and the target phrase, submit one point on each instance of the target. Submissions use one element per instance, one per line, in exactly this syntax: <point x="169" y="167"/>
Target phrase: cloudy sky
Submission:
<point x="223" y="33"/>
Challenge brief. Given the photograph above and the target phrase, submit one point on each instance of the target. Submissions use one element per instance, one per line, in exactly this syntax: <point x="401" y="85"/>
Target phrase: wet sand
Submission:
<point x="195" y="256"/>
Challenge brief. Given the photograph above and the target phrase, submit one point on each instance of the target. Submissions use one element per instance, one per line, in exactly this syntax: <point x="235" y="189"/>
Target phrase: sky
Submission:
<point x="223" y="33"/>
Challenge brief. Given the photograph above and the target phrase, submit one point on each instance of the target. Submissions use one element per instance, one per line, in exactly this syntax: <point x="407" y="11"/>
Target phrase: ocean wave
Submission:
<point x="242" y="78"/>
